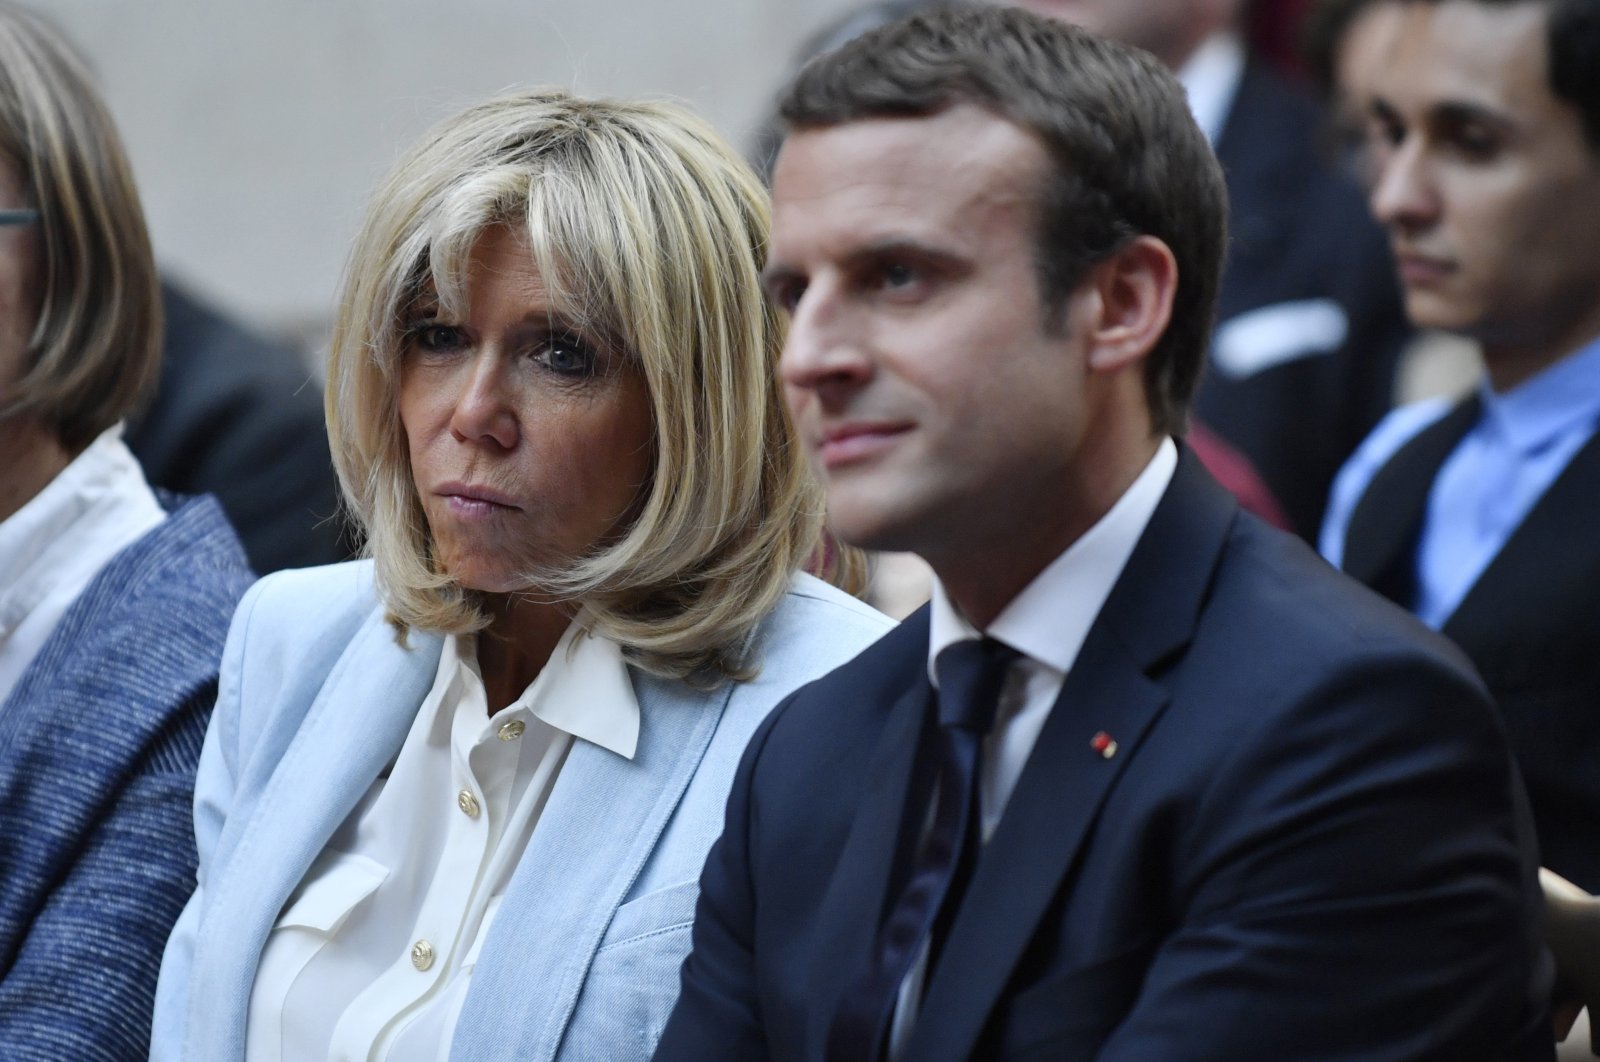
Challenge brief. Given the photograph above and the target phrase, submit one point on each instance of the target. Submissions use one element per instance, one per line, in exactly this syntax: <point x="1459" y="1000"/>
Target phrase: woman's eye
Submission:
<point x="568" y="357"/>
<point x="434" y="338"/>
<point x="898" y="275"/>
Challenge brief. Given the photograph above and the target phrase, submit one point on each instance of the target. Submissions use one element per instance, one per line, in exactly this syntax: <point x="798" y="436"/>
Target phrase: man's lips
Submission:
<point x="1421" y="269"/>
<point x="469" y="500"/>
<point x="846" y="443"/>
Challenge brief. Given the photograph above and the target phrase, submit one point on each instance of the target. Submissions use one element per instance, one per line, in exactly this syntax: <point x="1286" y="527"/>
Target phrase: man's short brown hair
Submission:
<point x="1128" y="157"/>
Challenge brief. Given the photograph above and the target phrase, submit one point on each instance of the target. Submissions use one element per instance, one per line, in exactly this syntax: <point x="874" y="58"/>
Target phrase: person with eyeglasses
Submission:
<point x="114" y="598"/>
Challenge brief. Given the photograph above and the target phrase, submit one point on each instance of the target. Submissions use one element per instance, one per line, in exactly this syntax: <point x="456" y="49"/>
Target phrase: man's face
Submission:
<point x="1169" y="29"/>
<point x="942" y="413"/>
<point x="1363" y="48"/>
<point x="1484" y="180"/>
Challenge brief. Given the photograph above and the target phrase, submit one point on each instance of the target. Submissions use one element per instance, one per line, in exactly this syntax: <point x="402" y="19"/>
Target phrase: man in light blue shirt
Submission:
<point x="1478" y="515"/>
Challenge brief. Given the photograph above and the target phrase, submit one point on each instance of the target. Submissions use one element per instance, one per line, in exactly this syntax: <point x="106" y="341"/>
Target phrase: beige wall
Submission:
<point x="257" y="129"/>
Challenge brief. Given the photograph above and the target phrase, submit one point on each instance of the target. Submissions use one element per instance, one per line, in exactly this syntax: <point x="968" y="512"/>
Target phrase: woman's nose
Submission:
<point x="484" y="411"/>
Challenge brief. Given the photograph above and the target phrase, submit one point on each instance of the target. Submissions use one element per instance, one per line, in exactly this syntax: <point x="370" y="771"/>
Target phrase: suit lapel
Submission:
<point x="851" y="909"/>
<point x="1115" y="686"/>
<point x="1543" y="544"/>
<point x="600" y="826"/>
<point x="1381" y="539"/>
<point x="352" y="731"/>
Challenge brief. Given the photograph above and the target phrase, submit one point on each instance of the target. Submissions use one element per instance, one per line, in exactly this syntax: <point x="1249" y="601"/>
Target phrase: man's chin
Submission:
<point x="1433" y="310"/>
<point x="877" y="530"/>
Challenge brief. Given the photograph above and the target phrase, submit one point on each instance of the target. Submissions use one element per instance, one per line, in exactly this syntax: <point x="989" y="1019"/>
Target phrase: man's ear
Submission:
<point x="1135" y="288"/>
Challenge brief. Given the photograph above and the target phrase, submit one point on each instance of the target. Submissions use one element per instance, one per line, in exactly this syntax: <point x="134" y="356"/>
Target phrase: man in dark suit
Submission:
<point x="1147" y="780"/>
<point x="1479" y="514"/>
<point x="1310" y="323"/>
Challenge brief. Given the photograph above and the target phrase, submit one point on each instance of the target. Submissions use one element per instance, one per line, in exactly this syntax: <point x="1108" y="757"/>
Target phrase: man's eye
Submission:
<point x="786" y="296"/>
<point x="1382" y="133"/>
<point x="1476" y="142"/>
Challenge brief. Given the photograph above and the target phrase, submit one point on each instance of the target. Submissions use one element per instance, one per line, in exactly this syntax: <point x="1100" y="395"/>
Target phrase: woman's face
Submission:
<point x="19" y="282"/>
<point x="530" y="441"/>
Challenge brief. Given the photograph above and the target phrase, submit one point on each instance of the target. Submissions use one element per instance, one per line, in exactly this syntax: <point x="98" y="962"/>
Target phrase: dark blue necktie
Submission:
<point x="970" y="676"/>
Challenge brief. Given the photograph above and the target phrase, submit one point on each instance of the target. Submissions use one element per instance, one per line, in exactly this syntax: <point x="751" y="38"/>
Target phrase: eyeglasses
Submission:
<point x="18" y="217"/>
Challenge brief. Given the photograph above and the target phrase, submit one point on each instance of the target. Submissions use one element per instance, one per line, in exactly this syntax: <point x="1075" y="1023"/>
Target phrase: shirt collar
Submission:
<point x="1562" y="397"/>
<point x="584" y="689"/>
<point x="1211" y="78"/>
<point x="87" y="514"/>
<point x="1050" y="618"/>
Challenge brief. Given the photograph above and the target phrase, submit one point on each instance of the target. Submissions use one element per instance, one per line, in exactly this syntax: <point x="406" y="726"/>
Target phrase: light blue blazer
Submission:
<point x="582" y="960"/>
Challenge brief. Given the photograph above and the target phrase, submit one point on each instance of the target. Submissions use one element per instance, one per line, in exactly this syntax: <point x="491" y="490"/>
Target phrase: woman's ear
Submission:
<point x="1135" y="288"/>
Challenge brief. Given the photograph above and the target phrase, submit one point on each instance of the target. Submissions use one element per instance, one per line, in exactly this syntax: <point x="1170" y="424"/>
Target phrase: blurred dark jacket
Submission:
<point x="1310" y="321"/>
<point x="241" y="418"/>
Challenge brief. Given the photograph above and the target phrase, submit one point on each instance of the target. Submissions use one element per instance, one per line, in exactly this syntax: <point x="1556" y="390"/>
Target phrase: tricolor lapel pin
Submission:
<point x="1104" y="744"/>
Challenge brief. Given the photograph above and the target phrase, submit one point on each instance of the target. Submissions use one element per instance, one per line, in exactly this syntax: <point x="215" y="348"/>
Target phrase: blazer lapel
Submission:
<point x="852" y="908"/>
<point x="351" y="732"/>
<point x="1545" y="547"/>
<point x="1381" y="537"/>
<point x="598" y="829"/>
<point x="1115" y="686"/>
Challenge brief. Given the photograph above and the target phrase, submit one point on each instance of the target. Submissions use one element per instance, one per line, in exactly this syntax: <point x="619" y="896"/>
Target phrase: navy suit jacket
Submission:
<point x="1310" y="843"/>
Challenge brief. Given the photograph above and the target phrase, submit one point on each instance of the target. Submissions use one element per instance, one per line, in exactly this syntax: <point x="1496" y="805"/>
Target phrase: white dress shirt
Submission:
<point x="52" y="548"/>
<point x="1046" y="623"/>
<point x="373" y="954"/>
<point x="1211" y="79"/>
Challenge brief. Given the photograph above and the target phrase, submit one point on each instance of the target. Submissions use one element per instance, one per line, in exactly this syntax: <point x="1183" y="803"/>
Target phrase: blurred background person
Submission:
<point x="238" y="415"/>
<point x="1483" y="123"/>
<point x="1345" y="44"/>
<point x="114" y="599"/>
<point x="1309" y="320"/>
<point x="1572" y="929"/>
<point x="1476" y="514"/>
<point x="458" y="797"/>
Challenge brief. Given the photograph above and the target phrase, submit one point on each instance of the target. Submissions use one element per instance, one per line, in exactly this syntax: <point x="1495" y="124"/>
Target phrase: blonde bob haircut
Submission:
<point x="649" y="232"/>
<point x="95" y="351"/>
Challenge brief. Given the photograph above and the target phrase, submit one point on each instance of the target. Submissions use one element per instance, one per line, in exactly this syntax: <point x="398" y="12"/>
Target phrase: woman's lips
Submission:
<point x="475" y="501"/>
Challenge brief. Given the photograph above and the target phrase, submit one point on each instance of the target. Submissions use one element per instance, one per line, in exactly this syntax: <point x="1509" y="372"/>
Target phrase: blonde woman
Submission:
<point x="114" y="600"/>
<point x="456" y="798"/>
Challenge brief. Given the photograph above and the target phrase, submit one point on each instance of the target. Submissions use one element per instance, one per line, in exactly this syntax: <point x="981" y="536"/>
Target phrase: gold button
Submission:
<point x="512" y="730"/>
<point x="467" y="803"/>
<point x="422" y="955"/>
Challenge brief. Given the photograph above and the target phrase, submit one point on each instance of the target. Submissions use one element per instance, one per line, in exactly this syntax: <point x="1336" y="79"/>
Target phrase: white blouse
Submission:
<point x="52" y="548"/>
<point x="374" y="952"/>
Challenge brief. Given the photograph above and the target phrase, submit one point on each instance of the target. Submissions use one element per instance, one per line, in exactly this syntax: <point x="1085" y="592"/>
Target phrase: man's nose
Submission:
<point x="1403" y="192"/>
<point x="824" y="349"/>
